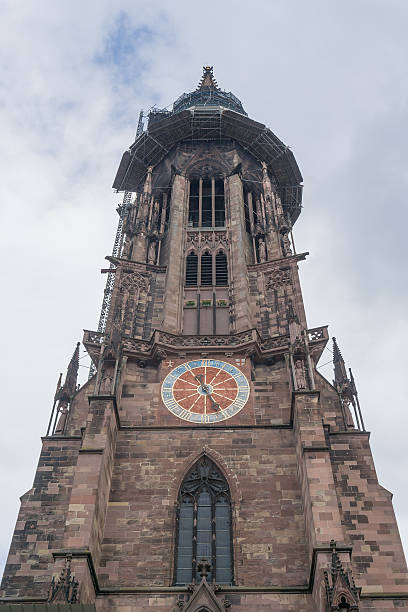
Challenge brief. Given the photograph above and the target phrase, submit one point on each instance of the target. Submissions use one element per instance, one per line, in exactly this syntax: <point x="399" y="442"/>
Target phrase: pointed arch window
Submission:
<point x="191" y="270"/>
<point x="221" y="269"/>
<point x="206" y="269"/>
<point x="204" y="525"/>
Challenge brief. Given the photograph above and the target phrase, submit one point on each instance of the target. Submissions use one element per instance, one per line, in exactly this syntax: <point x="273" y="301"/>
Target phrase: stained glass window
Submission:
<point x="204" y="526"/>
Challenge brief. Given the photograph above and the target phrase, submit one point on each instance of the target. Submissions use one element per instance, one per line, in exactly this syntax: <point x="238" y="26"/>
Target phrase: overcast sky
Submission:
<point x="328" y="77"/>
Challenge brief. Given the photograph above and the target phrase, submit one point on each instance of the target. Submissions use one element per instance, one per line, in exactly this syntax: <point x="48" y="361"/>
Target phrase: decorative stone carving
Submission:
<point x="106" y="382"/>
<point x="300" y="375"/>
<point x="134" y="280"/>
<point x="278" y="278"/>
<point x="155" y="215"/>
<point x="221" y="237"/>
<point x="286" y="246"/>
<point x="271" y="343"/>
<point x="192" y="237"/>
<point x="261" y="251"/>
<point x="151" y="257"/>
<point x="138" y="346"/>
<point x="237" y="339"/>
<point x="65" y="588"/>
<point x="203" y="596"/>
<point x="341" y="591"/>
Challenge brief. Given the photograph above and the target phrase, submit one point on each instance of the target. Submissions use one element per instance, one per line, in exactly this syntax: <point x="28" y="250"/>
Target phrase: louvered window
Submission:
<point x="204" y="525"/>
<point x="191" y="270"/>
<point x="206" y="269"/>
<point x="221" y="269"/>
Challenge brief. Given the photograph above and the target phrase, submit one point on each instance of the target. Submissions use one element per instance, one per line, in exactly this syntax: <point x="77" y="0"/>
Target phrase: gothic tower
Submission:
<point x="206" y="464"/>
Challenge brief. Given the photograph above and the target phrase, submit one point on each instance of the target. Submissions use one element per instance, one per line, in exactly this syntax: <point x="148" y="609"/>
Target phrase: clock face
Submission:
<point x="205" y="391"/>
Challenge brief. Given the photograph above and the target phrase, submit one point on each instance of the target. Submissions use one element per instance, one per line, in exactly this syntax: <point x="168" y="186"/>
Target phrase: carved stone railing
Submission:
<point x="317" y="334"/>
<point x="274" y="343"/>
<point x="207" y="341"/>
<point x="92" y="337"/>
<point x="248" y="341"/>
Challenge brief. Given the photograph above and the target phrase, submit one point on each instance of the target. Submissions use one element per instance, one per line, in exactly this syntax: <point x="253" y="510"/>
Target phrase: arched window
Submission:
<point x="206" y="269"/>
<point x="204" y="525"/>
<point x="221" y="269"/>
<point x="191" y="270"/>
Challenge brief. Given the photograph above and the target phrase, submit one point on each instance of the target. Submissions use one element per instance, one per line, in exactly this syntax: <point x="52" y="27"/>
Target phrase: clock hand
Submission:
<point x="206" y="389"/>
<point x="213" y="403"/>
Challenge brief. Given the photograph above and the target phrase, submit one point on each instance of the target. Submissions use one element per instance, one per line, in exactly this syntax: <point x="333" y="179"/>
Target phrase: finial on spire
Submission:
<point x="207" y="80"/>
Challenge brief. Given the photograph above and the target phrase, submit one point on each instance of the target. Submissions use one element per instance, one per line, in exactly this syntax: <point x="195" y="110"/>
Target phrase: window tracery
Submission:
<point x="204" y="524"/>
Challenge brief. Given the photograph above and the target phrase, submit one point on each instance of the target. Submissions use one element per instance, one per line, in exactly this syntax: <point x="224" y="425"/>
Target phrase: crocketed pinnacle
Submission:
<point x="340" y="375"/>
<point x="69" y="387"/>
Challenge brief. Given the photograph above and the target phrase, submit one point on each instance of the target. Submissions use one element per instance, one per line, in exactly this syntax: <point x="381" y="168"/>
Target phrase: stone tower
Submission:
<point x="206" y="464"/>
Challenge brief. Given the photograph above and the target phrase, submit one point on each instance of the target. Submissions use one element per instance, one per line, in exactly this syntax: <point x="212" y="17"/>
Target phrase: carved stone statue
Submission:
<point x="287" y="249"/>
<point x="106" y="383"/>
<point x="300" y="375"/>
<point x="155" y="215"/>
<point x="261" y="251"/>
<point x="151" y="257"/>
<point x="127" y="247"/>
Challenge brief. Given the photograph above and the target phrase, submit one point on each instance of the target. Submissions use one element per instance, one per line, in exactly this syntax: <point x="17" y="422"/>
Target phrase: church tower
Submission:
<point x="206" y="464"/>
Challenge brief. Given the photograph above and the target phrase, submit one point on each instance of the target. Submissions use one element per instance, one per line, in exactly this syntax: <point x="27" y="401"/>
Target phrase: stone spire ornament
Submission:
<point x="346" y="388"/>
<point x="65" y="393"/>
<point x="207" y="80"/>
<point x="340" y="375"/>
<point x="65" y="588"/>
<point x="341" y="591"/>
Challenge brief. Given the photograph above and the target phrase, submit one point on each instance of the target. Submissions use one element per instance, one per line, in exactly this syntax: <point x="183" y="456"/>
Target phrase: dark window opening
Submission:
<point x="191" y="270"/>
<point x="206" y="210"/>
<point x="206" y="203"/>
<point x="246" y="211"/>
<point x="221" y="269"/>
<point x="206" y="269"/>
<point x="219" y="203"/>
<point x="193" y="211"/>
<point x="204" y="525"/>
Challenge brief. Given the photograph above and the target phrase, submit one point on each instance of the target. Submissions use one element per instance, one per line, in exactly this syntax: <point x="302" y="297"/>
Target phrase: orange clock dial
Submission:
<point x="205" y="390"/>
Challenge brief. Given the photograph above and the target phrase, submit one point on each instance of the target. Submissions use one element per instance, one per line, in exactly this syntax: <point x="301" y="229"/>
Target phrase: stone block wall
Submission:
<point x="367" y="516"/>
<point x="41" y="521"/>
<point x="269" y="530"/>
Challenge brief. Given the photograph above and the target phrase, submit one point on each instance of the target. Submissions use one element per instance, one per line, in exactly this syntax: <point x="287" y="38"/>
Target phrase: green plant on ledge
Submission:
<point x="222" y="303"/>
<point x="190" y="304"/>
<point x="205" y="303"/>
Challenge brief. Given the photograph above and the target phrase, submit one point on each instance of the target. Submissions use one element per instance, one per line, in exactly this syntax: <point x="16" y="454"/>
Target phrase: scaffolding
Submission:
<point x="123" y="211"/>
<point x="211" y="124"/>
